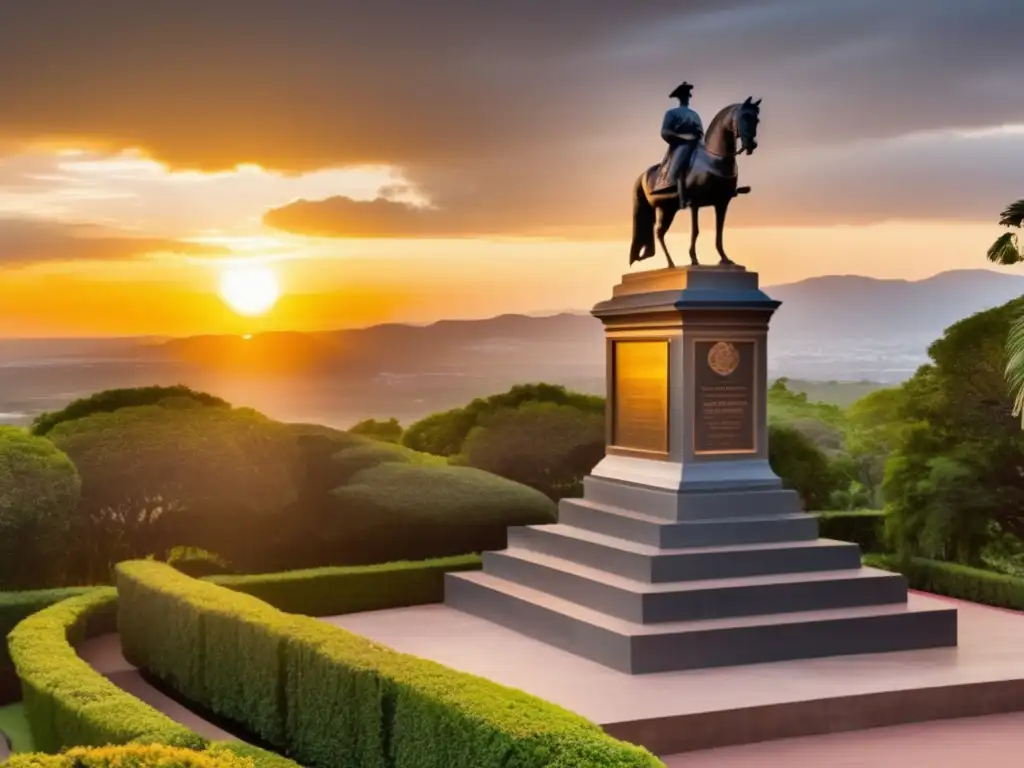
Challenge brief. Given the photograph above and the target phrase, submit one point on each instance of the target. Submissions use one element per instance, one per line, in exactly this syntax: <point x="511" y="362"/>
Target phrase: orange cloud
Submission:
<point x="30" y="241"/>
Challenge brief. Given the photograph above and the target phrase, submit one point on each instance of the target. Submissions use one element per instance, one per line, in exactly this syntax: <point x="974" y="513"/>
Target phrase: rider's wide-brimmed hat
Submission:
<point x="682" y="91"/>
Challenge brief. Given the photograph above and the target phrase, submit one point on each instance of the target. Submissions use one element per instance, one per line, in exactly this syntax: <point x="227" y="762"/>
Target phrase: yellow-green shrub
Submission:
<point x="341" y="699"/>
<point x="132" y="756"/>
<point x="14" y="607"/>
<point x="67" y="702"/>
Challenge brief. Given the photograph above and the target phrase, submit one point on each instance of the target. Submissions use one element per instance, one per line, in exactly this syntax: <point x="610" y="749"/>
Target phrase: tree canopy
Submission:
<point x="444" y="433"/>
<point x="155" y="477"/>
<point x="544" y="445"/>
<point x="113" y="399"/>
<point x="389" y="431"/>
<point x="39" y="493"/>
<point x="956" y="477"/>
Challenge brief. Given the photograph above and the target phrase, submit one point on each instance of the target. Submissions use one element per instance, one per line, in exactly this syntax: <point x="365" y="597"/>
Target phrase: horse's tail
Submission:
<point x="643" y="224"/>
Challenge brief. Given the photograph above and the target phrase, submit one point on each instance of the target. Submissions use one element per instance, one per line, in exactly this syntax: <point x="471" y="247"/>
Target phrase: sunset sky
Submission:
<point x="406" y="161"/>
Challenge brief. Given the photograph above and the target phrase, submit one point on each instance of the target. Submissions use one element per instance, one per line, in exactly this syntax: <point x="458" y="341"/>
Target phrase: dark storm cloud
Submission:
<point x="516" y="115"/>
<point x="27" y="241"/>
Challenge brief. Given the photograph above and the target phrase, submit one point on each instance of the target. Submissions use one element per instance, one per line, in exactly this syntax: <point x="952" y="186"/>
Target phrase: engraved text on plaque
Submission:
<point x="725" y="420"/>
<point x="640" y="395"/>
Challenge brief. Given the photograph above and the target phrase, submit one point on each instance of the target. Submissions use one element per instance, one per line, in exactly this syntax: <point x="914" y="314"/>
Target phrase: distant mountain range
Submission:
<point x="842" y="328"/>
<point x="884" y="326"/>
<point x="819" y="310"/>
<point x="840" y="306"/>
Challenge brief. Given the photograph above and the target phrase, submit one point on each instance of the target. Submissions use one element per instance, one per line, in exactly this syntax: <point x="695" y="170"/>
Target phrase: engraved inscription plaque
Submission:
<point x="640" y="395"/>
<point x="725" y="419"/>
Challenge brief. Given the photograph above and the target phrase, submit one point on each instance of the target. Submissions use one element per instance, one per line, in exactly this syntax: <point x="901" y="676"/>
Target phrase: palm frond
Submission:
<point x="1015" y="364"/>
<point x="1013" y="216"/>
<point x="1004" y="250"/>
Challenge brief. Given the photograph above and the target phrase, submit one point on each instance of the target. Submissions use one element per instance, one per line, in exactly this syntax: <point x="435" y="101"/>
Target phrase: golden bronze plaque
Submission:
<point x="640" y="395"/>
<point x="725" y="416"/>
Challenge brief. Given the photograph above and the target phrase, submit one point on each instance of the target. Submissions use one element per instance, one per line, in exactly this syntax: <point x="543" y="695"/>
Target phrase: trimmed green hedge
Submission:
<point x="336" y="591"/>
<point x="862" y="526"/>
<point x="69" y="704"/>
<point x="953" y="580"/>
<point x="14" y="608"/>
<point x="331" y="698"/>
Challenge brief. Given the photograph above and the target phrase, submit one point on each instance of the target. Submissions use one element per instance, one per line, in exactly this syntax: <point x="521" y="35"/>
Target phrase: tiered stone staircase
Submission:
<point x="695" y="580"/>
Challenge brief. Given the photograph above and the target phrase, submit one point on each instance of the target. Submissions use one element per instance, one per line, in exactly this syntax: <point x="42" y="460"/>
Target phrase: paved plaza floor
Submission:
<point x="682" y="711"/>
<point x="991" y="650"/>
<point x="994" y="741"/>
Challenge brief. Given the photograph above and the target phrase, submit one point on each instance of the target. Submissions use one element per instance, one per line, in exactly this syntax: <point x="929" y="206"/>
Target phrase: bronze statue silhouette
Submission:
<point x="709" y="180"/>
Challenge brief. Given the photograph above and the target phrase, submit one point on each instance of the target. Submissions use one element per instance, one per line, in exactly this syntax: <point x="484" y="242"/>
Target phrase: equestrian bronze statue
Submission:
<point x="699" y="171"/>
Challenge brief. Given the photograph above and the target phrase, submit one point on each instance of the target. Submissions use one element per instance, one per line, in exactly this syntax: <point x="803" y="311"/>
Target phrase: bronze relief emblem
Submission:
<point x="723" y="358"/>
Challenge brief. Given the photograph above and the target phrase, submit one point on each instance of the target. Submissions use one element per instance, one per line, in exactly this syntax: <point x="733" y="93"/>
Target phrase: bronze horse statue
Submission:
<point x="710" y="181"/>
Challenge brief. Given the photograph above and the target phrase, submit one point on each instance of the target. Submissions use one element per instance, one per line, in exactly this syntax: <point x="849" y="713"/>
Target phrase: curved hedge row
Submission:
<point x="14" y="608"/>
<point x="69" y="704"/>
<point x="331" y="698"/>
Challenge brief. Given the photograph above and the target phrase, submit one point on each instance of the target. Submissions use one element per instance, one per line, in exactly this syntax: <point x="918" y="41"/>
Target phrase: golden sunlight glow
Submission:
<point x="249" y="290"/>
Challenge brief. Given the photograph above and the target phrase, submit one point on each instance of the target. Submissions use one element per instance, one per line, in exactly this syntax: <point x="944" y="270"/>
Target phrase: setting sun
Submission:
<point x="249" y="290"/>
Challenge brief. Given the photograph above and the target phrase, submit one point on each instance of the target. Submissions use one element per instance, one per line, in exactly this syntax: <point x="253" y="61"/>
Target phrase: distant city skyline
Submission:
<point x="483" y="165"/>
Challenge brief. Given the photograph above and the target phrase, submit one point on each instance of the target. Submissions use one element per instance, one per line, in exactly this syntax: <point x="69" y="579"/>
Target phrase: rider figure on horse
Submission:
<point x="682" y="130"/>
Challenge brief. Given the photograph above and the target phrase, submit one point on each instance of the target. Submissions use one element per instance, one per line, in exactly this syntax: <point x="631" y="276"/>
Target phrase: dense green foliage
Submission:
<point x="863" y="527"/>
<point x="179" y="477"/>
<point x="444" y="434"/>
<point x="874" y="429"/>
<point x="1005" y="250"/>
<point x="337" y="591"/>
<point x="802" y="466"/>
<point x="363" y="501"/>
<point x="954" y="483"/>
<point x="551" y="438"/>
<point x="958" y="581"/>
<point x="155" y="477"/>
<point x="114" y="399"/>
<point x="67" y="702"/>
<point x="389" y="431"/>
<point x="544" y="445"/>
<point x="39" y="495"/>
<point x="410" y="512"/>
<point x="331" y="698"/>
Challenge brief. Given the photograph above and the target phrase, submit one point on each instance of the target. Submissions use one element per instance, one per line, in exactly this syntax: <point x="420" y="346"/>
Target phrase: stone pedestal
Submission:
<point x="685" y="550"/>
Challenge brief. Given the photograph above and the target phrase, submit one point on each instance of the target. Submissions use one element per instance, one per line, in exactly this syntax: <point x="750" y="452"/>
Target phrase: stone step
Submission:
<point x="647" y="529"/>
<point x="675" y="506"/>
<point x="645" y="602"/>
<point x="636" y="648"/>
<point x="649" y="563"/>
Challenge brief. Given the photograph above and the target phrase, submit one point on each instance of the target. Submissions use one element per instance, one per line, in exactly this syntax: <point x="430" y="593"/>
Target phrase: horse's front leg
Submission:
<point x="694" y="231"/>
<point x="663" y="223"/>
<point x="720" y="210"/>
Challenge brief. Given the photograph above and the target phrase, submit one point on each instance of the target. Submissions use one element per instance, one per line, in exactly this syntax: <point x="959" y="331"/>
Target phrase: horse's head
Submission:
<point x="748" y="115"/>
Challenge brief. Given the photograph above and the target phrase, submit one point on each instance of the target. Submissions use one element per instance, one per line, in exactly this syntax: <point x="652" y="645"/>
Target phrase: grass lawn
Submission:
<point x="14" y="725"/>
